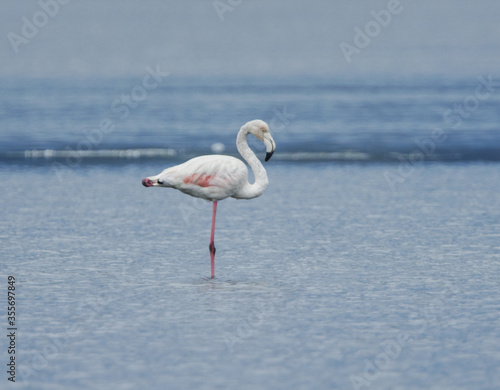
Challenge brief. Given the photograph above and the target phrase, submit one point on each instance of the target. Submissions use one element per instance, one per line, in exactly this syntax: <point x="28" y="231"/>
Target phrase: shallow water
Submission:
<point x="332" y="279"/>
<point x="310" y="118"/>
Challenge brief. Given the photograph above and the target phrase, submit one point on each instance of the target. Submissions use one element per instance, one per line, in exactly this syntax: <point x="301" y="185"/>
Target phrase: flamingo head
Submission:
<point x="155" y="181"/>
<point x="147" y="182"/>
<point x="260" y="130"/>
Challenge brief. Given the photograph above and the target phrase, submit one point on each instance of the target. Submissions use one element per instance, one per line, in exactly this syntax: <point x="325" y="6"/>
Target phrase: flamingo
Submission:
<point x="217" y="177"/>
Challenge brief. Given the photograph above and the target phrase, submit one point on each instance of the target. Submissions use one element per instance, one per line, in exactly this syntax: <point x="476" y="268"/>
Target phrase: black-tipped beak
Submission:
<point x="269" y="155"/>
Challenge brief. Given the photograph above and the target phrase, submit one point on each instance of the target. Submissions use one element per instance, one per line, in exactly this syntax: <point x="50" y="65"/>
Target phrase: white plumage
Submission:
<point x="217" y="177"/>
<point x="212" y="178"/>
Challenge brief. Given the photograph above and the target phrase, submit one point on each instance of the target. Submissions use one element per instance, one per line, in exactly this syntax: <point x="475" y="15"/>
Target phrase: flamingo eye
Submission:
<point x="160" y="182"/>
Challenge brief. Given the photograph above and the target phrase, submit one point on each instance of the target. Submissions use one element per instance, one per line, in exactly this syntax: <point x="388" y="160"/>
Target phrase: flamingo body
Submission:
<point x="212" y="177"/>
<point x="218" y="177"/>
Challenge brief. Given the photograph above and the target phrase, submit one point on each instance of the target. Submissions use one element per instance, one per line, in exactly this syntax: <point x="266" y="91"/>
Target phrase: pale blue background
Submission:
<point x="120" y="37"/>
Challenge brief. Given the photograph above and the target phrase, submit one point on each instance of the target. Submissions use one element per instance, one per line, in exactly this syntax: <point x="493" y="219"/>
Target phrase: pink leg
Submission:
<point x="212" y="246"/>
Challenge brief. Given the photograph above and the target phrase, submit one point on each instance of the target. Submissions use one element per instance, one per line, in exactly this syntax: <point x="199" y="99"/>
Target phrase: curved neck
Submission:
<point x="249" y="191"/>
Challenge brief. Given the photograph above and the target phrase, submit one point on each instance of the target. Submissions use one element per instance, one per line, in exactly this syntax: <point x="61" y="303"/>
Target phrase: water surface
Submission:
<point x="330" y="278"/>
